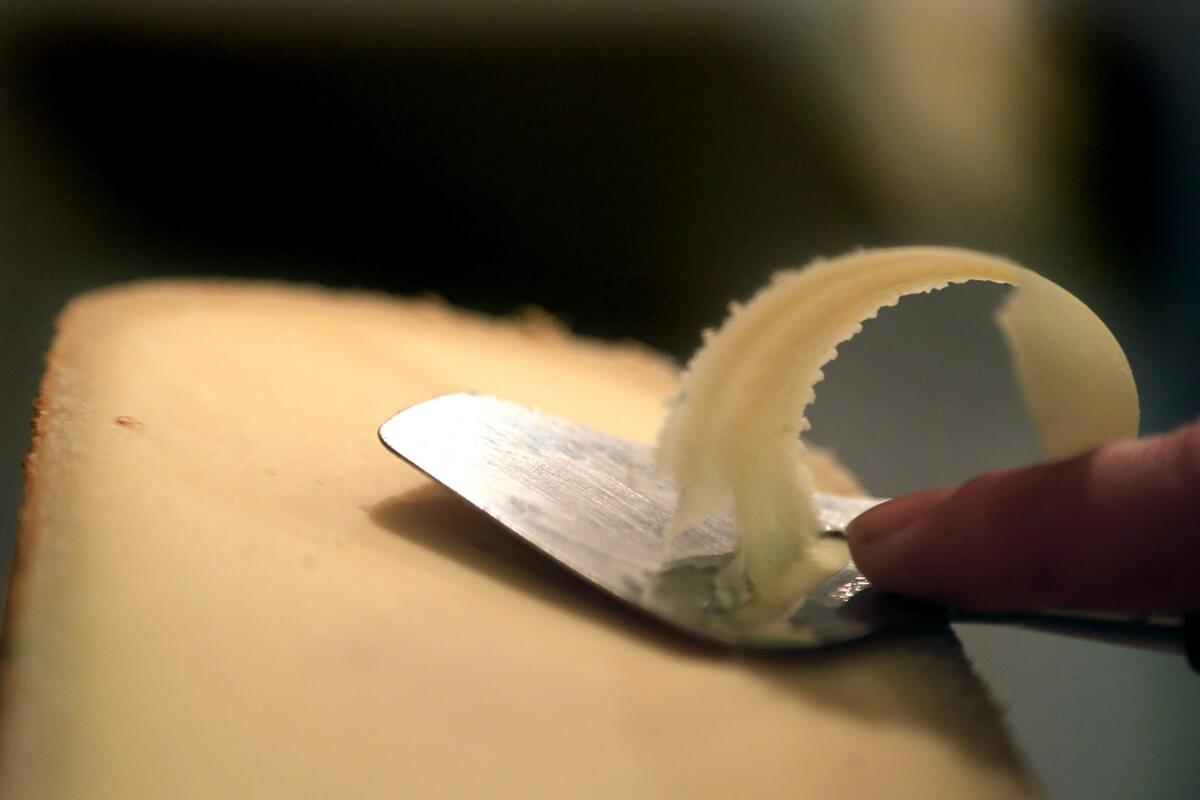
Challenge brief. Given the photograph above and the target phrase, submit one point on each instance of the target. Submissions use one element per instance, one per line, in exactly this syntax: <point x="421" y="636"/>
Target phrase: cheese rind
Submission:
<point x="228" y="588"/>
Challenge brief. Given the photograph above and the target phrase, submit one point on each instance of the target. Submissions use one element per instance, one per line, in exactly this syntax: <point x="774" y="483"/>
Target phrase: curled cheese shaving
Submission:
<point x="732" y="437"/>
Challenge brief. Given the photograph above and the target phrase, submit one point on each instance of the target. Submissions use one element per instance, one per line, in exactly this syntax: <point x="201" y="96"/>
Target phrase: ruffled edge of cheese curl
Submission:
<point x="732" y="440"/>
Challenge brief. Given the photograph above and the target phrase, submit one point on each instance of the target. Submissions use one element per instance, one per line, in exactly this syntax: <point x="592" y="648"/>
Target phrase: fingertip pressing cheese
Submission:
<point x="732" y="439"/>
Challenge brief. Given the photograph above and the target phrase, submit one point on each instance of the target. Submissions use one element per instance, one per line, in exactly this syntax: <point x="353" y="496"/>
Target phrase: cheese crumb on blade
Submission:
<point x="732" y="440"/>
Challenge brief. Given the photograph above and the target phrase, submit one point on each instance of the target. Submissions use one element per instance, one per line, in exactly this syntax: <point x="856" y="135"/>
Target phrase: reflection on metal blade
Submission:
<point x="592" y="502"/>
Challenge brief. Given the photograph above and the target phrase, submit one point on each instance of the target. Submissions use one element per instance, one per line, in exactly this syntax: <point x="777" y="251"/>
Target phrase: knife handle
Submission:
<point x="1178" y="633"/>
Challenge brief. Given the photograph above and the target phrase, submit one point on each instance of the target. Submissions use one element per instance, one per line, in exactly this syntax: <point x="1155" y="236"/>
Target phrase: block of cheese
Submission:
<point x="226" y="588"/>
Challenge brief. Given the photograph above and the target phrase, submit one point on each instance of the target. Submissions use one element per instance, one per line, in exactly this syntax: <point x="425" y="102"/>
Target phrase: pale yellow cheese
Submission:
<point x="228" y="589"/>
<point x="731" y="440"/>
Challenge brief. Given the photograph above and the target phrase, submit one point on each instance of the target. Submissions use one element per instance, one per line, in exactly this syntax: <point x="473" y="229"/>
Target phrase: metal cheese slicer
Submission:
<point x="592" y="502"/>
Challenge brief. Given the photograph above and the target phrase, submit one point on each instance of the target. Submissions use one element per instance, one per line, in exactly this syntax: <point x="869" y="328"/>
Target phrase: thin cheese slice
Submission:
<point x="732" y="439"/>
<point x="228" y="589"/>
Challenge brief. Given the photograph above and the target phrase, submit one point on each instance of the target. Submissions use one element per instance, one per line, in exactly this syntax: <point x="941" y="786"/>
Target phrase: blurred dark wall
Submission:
<point x="631" y="179"/>
<point x="607" y="178"/>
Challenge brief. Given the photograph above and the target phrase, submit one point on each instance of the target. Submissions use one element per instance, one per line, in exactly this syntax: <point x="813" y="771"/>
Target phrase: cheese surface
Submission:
<point x="227" y="588"/>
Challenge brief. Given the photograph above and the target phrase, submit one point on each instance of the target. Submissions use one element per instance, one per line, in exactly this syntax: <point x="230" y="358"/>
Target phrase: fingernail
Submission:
<point x="893" y="515"/>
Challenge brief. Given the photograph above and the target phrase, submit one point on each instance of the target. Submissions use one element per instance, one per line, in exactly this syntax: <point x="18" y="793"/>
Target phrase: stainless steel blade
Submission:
<point x="592" y="502"/>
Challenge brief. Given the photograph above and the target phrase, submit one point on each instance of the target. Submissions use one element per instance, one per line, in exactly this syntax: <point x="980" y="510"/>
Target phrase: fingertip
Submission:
<point x="891" y="516"/>
<point x="885" y="540"/>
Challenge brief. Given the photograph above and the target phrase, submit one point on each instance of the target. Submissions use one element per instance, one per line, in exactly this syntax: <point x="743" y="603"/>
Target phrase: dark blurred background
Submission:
<point x="631" y="167"/>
